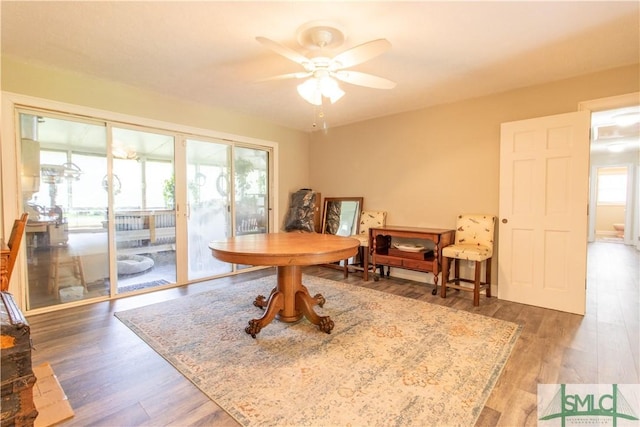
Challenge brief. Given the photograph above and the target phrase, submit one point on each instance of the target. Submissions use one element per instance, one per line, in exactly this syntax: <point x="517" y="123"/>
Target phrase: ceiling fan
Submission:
<point x="323" y="71"/>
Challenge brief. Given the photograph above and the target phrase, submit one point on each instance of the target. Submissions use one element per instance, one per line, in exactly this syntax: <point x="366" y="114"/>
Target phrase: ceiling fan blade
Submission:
<point x="361" y="53"/>
<point x="298" y="75"/>
<point x="364" y="79"/>
<point x="283" y="50"/>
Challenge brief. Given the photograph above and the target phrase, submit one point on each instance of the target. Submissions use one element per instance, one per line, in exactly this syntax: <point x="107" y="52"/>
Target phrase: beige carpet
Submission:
<point x="389" y="360"/>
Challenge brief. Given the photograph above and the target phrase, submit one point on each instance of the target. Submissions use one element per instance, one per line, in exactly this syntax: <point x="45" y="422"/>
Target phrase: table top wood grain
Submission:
<point x="280" y="249"/>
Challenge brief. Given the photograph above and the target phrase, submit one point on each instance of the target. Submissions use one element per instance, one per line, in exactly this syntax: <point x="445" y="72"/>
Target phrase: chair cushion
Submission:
<point x="475" y="229"/>
<point x="363" y="238"/>
<point x="370" y="219"/>
<point x="469" y="252"/>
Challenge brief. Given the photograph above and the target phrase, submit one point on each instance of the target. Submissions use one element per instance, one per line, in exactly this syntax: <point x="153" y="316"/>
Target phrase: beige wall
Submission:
<point x="72" y="88"/>
<point x="606" y="216"/>
<point x="424" y="167"/>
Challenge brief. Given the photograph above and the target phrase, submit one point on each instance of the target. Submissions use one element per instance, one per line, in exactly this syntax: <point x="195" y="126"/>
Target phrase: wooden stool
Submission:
<point x="73" y="261"/>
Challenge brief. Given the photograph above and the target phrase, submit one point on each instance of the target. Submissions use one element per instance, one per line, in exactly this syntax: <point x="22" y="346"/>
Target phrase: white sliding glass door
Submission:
<point x="208" y="213"/>
<point x="143" y="214"/>
<point x="117" y="208"/>
<point x="250" y="169"/>
<point x="220" y="206"/>
<point x="63" y="165"/>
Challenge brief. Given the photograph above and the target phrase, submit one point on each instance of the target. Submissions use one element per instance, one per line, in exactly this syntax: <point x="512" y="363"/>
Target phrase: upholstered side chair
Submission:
<point x="368" y="219"/>
<point x="473" y="242"/>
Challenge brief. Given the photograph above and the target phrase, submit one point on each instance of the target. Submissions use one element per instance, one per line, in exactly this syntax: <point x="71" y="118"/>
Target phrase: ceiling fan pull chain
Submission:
<point x="319" y="121"/>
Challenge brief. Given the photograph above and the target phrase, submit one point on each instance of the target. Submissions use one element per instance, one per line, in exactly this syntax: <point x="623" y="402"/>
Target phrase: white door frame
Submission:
<point x="632" y="222"/>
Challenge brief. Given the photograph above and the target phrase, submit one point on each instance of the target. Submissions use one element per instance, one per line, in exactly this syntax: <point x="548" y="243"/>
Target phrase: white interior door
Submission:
<point x="544" y="170"/>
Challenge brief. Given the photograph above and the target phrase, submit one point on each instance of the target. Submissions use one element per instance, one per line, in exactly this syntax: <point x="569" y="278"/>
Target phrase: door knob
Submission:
<point x="505" y="220"/>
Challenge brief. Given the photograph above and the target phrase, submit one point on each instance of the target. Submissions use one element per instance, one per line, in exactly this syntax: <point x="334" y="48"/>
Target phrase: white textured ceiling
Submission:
<point x="206" y="51"/>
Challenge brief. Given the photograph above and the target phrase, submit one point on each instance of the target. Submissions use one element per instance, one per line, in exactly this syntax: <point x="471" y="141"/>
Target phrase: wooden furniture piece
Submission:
<point x="46" y="230"/>
<point x="144" y="231"/>
<point x="18" y="379"/>
<point x="473" y="242"/>
<point x="4" y="265"/>
<point x="290" y="300"/>
<point x="61" y="258"/>
<point x="427" y="260"/>
<point x="10" y="254"/>
<point x="17" y="407"/>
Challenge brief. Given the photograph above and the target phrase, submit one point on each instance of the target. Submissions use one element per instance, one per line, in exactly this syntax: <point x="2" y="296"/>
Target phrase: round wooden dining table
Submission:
<point x="290" y="300"/>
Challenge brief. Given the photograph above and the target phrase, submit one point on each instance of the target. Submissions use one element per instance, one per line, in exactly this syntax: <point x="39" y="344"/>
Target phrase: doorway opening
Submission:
<point x="614" y="181"/>
<point x="611" y="202"/>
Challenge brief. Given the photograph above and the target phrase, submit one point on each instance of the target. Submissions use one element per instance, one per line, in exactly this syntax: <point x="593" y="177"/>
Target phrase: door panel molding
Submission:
<point x="543" y="201"/>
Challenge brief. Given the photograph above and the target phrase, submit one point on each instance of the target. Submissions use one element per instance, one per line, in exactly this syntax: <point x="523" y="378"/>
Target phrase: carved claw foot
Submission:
<point x="253" y="328"/>
<point x="320" y="300"/>
<point x="326" y="324"/>
<point x="260" y="302"/>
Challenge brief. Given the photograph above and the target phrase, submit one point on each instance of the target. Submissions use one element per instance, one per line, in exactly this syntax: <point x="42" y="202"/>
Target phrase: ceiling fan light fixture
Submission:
<point x="325" y="69"/>
<point x="309" y="91"/>
<point x="314" y="89"/>
<point x="329" y="88"/>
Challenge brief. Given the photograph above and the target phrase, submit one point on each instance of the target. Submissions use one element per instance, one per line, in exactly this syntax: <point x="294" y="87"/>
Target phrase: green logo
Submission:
<point x="586" y="403"/>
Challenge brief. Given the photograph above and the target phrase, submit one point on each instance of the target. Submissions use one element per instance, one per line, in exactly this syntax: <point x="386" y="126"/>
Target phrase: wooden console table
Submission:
<point x="428" y="261"/>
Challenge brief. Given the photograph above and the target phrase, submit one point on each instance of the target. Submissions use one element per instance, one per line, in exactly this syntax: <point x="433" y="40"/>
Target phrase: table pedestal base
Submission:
<point x="288" y="302"/>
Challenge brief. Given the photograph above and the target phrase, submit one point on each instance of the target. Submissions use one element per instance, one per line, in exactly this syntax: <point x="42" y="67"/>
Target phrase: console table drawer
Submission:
<point x="389" y="260"/>
<point x="418" y="265"/>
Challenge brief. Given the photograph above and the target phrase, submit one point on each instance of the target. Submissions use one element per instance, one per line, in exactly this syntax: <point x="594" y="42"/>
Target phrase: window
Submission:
<point x="612" y="186"/>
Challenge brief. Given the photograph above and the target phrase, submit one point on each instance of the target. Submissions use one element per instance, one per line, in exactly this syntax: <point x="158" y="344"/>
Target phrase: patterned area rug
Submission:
<point x="389" y="360"/>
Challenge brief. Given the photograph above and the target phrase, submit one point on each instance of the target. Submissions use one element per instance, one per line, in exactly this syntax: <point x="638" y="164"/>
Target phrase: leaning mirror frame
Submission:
<point x="341" y="215"/>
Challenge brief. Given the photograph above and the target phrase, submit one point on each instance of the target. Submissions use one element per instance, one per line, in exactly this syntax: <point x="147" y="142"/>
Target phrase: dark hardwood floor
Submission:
<point x="112" y="378"/>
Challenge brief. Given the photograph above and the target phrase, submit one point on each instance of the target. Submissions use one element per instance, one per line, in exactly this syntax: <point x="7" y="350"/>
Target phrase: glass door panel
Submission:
<point x="251" y="177"/>
<point x="251" y="168"/>
<point x="142" y="186"/>
<point x="63" y="162"/>
<point x="208" y="199"/>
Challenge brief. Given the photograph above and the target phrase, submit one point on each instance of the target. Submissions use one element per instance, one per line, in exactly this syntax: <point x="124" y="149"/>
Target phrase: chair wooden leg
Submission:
<point x="488" y="277"/>
<point x="445" y="276"/>
<point x="77" y="269"/>
<point x="80" y="271"/>
<point x="476" y="284"/>
<point x="53" y="272"/>
<point x="365" y="262"/>
<point x="456" y="271"/>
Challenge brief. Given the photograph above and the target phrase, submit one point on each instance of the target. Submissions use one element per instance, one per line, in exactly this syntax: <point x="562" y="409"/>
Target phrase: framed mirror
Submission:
<point x="341" y="215"/>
